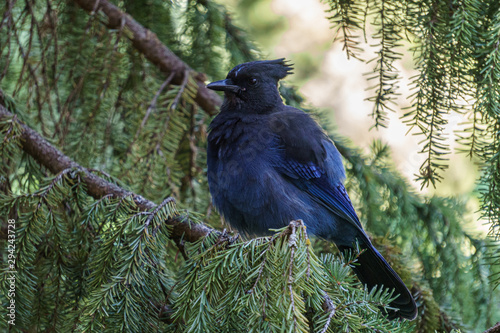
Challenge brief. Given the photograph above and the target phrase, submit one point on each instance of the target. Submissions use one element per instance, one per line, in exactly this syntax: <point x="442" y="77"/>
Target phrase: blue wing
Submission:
<point x="322" y="183"/>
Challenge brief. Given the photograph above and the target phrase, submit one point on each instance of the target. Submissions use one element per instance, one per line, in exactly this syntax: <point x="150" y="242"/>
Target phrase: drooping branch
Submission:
<point x="55" y="161"/>
<point x="146" y="42"/>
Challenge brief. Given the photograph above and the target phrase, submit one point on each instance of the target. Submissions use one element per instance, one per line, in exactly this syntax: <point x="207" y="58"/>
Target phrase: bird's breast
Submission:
<point x="239" y="158"/>
<point x="242" y="156"/>
<point x="240" y="139"/>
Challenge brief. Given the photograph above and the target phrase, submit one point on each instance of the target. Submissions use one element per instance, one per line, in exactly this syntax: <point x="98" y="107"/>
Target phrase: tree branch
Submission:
<point x="55" y="161"/>
<point x="157" y="53"/>
<point x="494" y="329"/>
<point x="146" y="42"/>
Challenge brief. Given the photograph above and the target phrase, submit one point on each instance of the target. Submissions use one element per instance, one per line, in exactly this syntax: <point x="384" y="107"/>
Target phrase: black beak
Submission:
<point x="224" y="85"/>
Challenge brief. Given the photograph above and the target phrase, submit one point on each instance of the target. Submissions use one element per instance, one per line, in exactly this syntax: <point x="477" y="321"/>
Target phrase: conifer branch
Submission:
<point x="56" y="162"/>
<point x="494" y="329"/>
<point x="146" y="42"/>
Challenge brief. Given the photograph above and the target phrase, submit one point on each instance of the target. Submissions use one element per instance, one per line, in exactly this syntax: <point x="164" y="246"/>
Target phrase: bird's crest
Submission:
<point x="277" y="68"/>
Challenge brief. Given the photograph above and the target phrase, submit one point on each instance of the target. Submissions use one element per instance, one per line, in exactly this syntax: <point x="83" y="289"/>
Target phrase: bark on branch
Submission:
<point x="55" y="161"/>
<point x="146" y="42"/>
<point x="494" y="329"/>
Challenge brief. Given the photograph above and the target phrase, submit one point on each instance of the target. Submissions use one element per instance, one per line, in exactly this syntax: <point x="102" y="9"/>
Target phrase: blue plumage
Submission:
<point x="269" y="163"/>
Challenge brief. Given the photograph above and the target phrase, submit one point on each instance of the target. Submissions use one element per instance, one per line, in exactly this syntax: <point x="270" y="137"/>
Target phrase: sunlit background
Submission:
<point x="300" y="31"/>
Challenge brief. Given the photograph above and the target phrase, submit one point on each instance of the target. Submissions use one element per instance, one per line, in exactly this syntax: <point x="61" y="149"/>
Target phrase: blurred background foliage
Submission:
<point x="89" y="265"/>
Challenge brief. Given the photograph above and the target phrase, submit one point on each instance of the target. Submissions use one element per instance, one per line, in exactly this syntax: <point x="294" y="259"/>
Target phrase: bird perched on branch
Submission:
<point x="269" y="163"/>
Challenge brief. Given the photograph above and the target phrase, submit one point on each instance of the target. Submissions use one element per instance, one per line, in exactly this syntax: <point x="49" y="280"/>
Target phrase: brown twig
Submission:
<point x="262" y="265"/>
<point x="157" y="209"/>
<point x="292" y="243"/>
<point x="152" y="105"/>
<point x="328" y="306"/>
<point x="181" y="90"/>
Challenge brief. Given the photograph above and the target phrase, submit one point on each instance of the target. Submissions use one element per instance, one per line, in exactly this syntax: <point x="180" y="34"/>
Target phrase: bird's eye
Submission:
<point x="252" y="81"/>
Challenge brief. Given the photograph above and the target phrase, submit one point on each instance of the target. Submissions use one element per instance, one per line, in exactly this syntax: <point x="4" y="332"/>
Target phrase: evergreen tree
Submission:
<point x="105" y="213"/>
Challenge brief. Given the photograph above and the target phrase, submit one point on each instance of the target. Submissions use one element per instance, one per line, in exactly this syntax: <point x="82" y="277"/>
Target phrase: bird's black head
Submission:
<point x="252" y="87"/>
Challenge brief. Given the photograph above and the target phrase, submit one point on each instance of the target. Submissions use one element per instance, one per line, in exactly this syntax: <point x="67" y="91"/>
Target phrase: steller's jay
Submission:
<point x="269" y="163"/>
